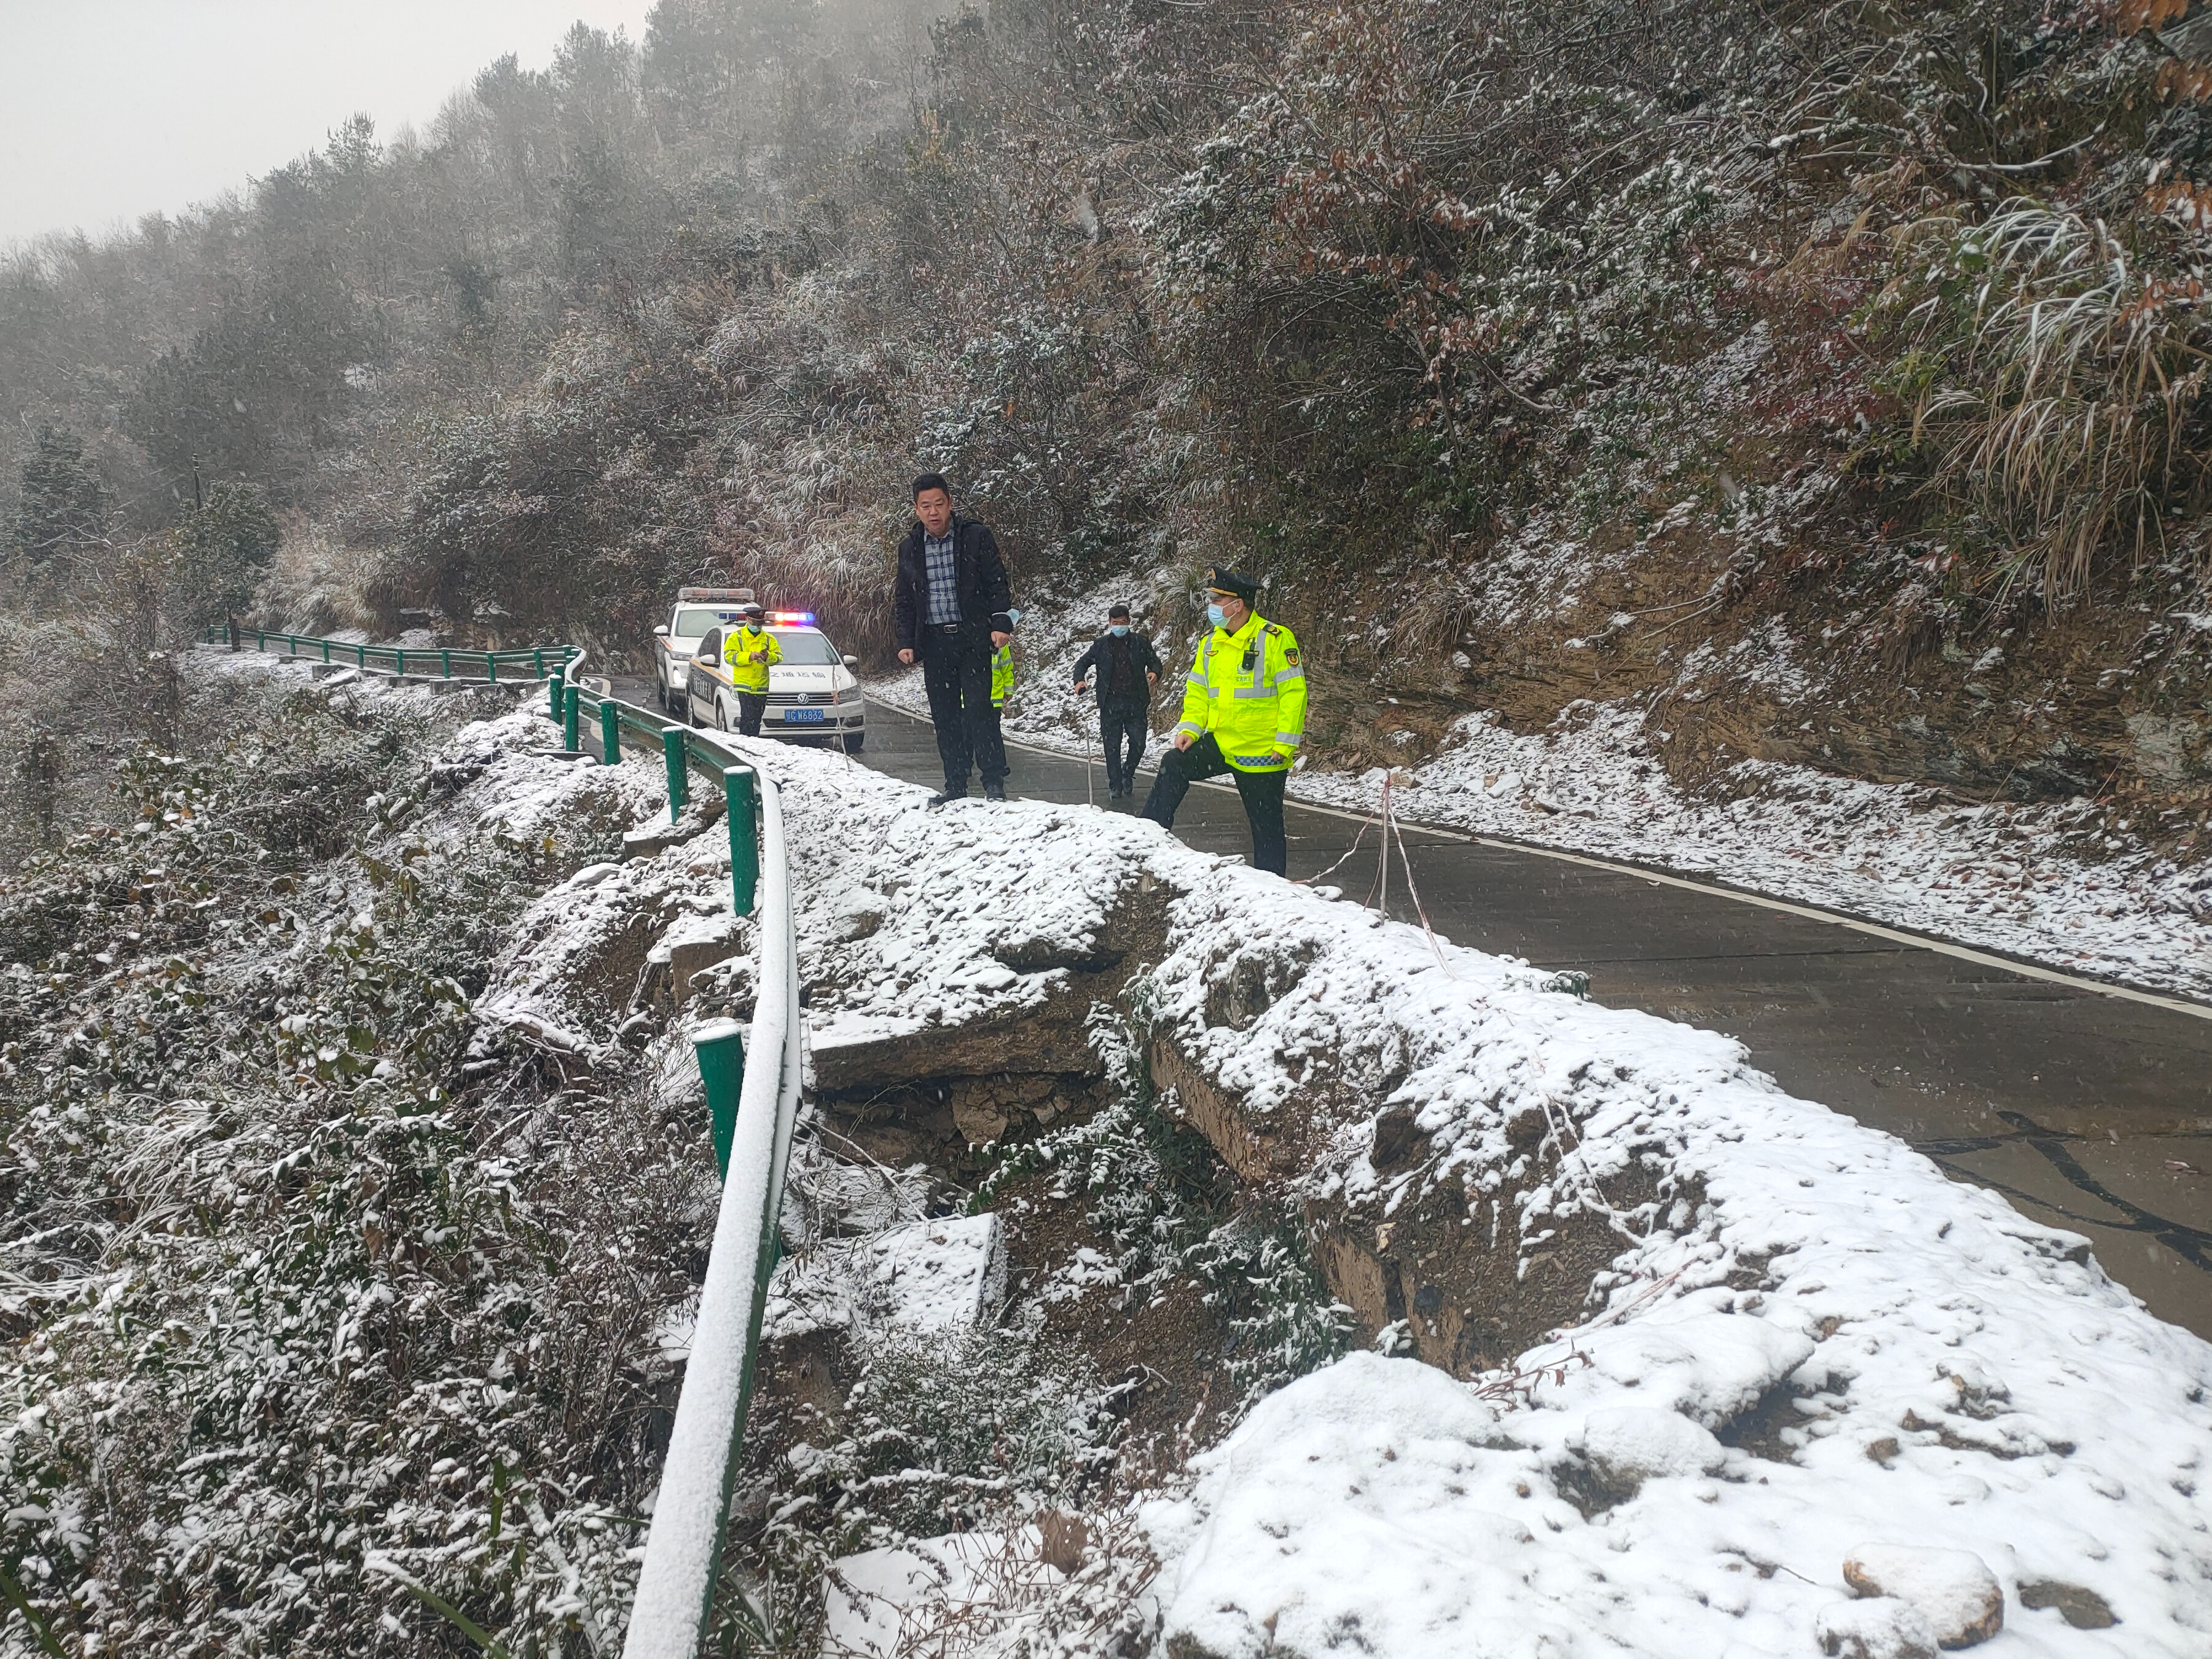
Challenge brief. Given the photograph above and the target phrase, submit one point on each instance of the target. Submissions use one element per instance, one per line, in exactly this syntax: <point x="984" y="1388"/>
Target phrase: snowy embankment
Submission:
<point x="1801" y="1341"/>
<point x="2027" y="880"/>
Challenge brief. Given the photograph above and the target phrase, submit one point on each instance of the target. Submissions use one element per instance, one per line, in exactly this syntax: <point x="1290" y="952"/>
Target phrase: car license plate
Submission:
<point x="802" y="717"/>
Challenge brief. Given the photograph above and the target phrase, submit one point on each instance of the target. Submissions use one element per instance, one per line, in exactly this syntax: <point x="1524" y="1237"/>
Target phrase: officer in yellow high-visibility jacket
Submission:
<point x="1243" y="712"/>
<point x="1002" y="664"/>
<point x="1002" y="682"/>
<point x="750" y="651"/>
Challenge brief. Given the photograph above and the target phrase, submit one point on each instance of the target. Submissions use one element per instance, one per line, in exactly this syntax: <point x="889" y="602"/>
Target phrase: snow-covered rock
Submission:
<point x="1627" y="1445"/>
<point x="1880" y="1628"/>
<point x="893" y="1602"/>
<point x="942" y="1275"/>
<point x="939" y="1275"/>
<point x="1954" y="1590"/>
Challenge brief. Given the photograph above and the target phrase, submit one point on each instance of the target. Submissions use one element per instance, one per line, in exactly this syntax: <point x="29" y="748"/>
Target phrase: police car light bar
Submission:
<point x="801" y="616"/>
<point x="687" y="595"/>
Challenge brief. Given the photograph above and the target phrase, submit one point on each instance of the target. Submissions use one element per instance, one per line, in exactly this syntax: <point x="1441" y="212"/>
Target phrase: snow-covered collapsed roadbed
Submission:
<point x="2026" y="880"/>
<point x="1805" y="1342"/>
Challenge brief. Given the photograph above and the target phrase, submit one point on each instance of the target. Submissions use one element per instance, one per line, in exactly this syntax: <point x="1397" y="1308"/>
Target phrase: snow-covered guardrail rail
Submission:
<point x="683" y="1550"/>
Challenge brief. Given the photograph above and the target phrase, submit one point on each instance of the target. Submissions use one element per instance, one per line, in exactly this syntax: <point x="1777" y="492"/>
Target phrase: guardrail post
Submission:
<point x="745" y="844"/>
<point x="491" y="672"/>
<point x="610" y="731"/>
<point x="559" y="683"/>
<point x="537" y="661"/>
<point x="445" y="665"/>
<point x="572" y="714"/>
<point x="672" y="750"/>
<point x="399" y="663"/>
<point x="327" y="650"/>
<point x="721" y="1049"/>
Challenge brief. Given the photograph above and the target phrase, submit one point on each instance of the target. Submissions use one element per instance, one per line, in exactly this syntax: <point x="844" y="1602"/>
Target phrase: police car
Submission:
<point x="699" y="611"/>
<point x="812" y="693"/>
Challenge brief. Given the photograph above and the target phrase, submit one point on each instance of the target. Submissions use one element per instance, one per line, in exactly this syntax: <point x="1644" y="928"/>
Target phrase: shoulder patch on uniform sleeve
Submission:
<point x="1291" y="656"/>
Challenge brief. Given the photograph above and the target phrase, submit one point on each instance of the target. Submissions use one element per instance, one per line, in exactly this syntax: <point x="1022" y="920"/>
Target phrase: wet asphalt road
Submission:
<point x="2088" y="1111"/>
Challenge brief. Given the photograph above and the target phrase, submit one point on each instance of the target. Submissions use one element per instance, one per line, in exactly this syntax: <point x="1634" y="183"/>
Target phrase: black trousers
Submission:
<point x="1261" y="792"/>
<point x="1121" y="726"/>
<point x="751" y="705"/>
<point x="956" y="672"/>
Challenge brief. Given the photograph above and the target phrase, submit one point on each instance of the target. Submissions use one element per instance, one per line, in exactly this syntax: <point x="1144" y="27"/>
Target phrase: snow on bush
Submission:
<point x="328" y="1312"/>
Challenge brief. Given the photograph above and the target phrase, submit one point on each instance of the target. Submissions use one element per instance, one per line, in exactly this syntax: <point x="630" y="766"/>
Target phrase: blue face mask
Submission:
<point x="1215" y="615"/>
<point x="1118" y="629"/>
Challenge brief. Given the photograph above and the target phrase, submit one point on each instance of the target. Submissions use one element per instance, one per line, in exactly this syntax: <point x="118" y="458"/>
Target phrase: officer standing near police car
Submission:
<point x="1243" y="712"/>
<point x="749" y="650"/>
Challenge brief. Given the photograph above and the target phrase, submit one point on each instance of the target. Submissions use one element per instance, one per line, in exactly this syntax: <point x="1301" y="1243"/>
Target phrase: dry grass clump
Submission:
<point x="2067" y="425"/>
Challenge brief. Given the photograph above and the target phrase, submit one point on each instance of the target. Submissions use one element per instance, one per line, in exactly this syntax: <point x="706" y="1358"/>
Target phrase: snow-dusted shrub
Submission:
<point x="946" y="1428"/>
<point x="323" y="1325"/>
<point x="984" y="1428"/>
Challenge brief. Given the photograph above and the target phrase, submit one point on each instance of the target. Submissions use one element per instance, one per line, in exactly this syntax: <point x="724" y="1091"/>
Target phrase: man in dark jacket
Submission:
<point x="949" y="607"/>
<point x="1128" y="668"/>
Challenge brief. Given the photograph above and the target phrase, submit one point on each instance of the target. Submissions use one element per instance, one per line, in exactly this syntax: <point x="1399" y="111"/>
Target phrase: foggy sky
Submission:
<point x="110" y="109"/>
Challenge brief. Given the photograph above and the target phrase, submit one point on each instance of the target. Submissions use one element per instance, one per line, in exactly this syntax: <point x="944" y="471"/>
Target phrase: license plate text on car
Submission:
<point x="802" y="717"/>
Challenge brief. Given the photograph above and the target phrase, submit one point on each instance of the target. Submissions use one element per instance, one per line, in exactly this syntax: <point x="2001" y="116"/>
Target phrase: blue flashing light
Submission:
<point x="800" y="618"/>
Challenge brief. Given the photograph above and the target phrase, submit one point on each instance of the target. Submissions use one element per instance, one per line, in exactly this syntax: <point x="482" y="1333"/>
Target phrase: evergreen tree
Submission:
<point x="222" y="548"/>
<point x="63" y="506"/>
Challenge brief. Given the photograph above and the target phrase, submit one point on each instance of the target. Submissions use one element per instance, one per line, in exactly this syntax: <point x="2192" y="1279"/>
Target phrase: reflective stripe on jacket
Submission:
<point x="1002" y="674"/>
<point x="751" y="653"/>
<point x="1249" y="688"/>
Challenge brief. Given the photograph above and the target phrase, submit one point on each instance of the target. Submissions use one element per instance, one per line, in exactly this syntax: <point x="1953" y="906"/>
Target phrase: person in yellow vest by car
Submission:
<point x="1243" y="712"/>
<point x="750" y="651"/>
<point x="1002" y="673"/>
<point x="1002" y="665"/>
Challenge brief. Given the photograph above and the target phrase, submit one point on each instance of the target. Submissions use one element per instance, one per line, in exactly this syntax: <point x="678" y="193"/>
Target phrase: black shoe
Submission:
<point x="948" y="793"/>
<point x="994" y="791"/>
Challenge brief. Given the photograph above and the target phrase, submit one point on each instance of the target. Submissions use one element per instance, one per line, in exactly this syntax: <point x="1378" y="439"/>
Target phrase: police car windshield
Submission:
<point x="691" y="625"/>
<point x="806" y="647"/>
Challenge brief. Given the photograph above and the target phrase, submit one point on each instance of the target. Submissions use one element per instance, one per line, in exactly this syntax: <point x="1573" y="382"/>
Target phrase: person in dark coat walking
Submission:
<point x="949" y="609"/>
<point x="1127" y="669"/>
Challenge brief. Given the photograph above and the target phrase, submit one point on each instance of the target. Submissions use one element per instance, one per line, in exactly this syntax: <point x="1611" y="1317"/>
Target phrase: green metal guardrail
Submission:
<point x="754" y="1109"/>
<point x="682" y="748"/>
<point x="532" y="662"/>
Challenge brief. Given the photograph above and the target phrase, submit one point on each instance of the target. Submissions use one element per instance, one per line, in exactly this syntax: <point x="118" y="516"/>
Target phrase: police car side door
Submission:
<point x="698" y="679"/>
